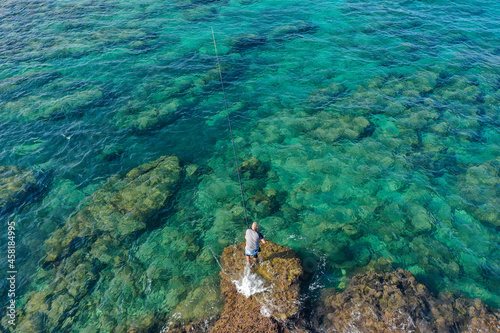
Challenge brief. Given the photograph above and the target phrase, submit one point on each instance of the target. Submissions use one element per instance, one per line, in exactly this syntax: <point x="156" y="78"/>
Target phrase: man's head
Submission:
<point x="255" y="226"/>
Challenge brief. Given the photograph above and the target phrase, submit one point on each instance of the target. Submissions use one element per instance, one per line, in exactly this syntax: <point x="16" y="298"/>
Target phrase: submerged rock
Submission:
<point x="480" y="185"/>
<point x="35" y="107"/>
<point x="396" y="302"/>
<point x="253" y="168"/>
<point x="17" y="184"/>
<point x="330" y="127"/>
<point x="87" y="257"/>
<point x="245" y="42"/>
<point x="293" y="30"/>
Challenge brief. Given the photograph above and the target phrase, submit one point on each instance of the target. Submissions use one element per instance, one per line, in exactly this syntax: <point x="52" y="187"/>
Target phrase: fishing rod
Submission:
<point x="231" y="131"/>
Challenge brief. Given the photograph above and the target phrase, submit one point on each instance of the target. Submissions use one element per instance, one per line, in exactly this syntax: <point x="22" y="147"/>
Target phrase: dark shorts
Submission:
<point x="252" y="253"/>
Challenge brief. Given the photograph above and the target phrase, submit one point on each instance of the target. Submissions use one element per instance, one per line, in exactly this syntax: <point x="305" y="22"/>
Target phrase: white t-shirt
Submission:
<point x="253" y="238"/>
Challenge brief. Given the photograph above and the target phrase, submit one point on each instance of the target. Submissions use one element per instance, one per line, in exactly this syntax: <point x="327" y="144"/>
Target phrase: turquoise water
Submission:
<point x="377" y="123"/>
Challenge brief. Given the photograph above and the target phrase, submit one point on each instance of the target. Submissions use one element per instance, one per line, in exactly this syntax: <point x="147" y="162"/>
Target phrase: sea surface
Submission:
<point x="377" y="124"/>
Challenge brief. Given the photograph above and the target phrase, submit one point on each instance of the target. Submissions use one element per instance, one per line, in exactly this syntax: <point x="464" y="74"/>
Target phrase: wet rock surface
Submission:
<point x="281" y="268"/>
<point x="396" y="302"/>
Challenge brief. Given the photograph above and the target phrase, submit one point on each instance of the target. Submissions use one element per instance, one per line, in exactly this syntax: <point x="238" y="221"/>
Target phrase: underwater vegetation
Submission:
<point x="265" y="310"/>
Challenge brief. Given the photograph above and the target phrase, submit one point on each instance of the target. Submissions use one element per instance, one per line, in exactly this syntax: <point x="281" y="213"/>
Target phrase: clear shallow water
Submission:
<point x="378" y="123"/>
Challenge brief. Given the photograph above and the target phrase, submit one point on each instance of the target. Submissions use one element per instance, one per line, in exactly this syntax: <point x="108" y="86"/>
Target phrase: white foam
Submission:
<point x="265" y="311"/>
<point x="250" y="283"/>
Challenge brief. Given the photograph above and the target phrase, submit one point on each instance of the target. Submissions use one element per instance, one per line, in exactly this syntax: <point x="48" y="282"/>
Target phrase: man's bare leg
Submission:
<point x="248" y="259"/>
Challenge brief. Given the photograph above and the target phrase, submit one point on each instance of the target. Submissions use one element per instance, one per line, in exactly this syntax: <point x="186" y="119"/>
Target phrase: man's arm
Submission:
<point x="261" y="237"/>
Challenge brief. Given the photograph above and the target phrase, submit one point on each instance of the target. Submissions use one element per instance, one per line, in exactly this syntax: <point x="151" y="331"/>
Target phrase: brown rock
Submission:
<point x="396" y="302"/>
<point x="280" y="269"/>
<point x="279" y="266"/>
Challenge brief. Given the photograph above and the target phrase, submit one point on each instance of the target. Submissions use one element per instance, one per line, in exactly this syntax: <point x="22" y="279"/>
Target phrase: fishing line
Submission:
<point x="230" y="130"/>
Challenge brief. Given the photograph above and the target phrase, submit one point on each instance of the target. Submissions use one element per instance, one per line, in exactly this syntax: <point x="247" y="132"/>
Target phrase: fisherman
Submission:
<point x="253" y="238"/>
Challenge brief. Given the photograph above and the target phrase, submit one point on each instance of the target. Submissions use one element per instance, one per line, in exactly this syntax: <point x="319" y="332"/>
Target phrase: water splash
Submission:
<point x="250" y="283"/>
<point x="265" y="311"/>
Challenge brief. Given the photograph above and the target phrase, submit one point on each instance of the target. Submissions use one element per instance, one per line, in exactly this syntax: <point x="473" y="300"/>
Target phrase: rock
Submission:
<point x="279" y="266"/>
<point x="204" y="301"/>
<point x="293" y="30"/>
<point x="191" y="169"/>
<point x="200" y="13"/>
<point x="330" y="127"/>
<point x="322" y="97"/>
<point x="83" y="251"/>
<point x="245" y="42"/>
<point x="18" y="185"/>
<point x="29" y="148"/>
<point x="200" y="326"/>
<point x="253" y="167"/>
<point x="395" y="301"/>
<point x="140" y="115"/>
<point x="111" y="152"/>
<point x="120" y="207"/>
<point x="279" y="269"/>
<point x="481" y="186"/>
<point x="259" y="205"/>
<point x="33" y="107"/>
<point x="420" y="218"/>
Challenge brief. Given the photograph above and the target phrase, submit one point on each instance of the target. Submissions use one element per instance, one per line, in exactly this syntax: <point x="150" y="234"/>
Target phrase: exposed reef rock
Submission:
<point x="17" y="185"/>
<point x="35" y="107"/>
<point x="397" y="302"/>
<point x="266" y="311"/>
<point x="80" y="254"/>
<point x="281" y="269"/>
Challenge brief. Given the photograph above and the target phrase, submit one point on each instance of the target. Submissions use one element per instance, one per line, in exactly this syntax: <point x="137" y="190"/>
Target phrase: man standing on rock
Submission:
<point x="253" y="238"/>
